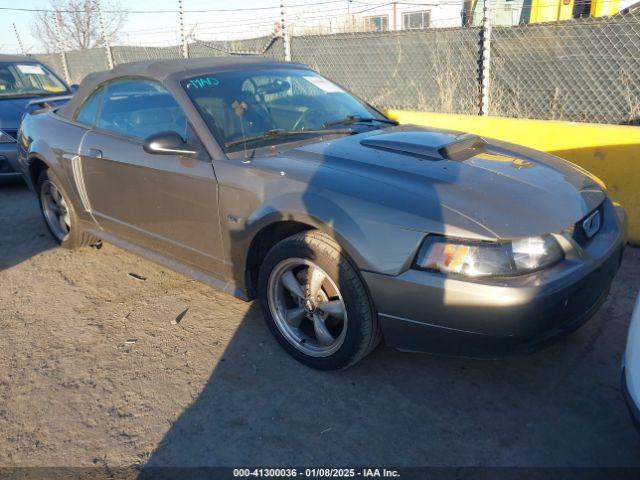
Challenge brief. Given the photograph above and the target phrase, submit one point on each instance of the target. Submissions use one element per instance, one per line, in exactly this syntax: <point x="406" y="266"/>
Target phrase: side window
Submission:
<point x="89" y="109"/>
<point x="139" y="108"/>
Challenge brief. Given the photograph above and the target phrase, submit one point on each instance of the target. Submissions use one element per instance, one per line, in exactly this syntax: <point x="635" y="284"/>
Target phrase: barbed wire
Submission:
<point x="208" y="10"/>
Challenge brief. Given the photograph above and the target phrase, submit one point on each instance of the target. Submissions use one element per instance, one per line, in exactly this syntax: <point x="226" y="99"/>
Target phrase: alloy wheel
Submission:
<point x="307" y="307"/>
<point x="55" y="209"/>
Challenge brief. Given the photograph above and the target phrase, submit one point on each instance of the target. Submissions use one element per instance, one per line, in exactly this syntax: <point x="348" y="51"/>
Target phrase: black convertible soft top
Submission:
<point x="160" y="70"/>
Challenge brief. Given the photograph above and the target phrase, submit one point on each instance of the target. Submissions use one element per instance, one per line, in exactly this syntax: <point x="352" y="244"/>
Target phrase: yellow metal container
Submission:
<point x="550" y="11"/>
<point x="603" y="8"/>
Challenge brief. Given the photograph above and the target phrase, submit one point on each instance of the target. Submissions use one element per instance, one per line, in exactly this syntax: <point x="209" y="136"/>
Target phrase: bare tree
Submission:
<point x="75" y="24"/>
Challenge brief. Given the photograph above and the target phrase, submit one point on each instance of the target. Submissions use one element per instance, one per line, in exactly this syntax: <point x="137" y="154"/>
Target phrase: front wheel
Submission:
<point x="315" y="302"/>
<point x="59" y="214"/>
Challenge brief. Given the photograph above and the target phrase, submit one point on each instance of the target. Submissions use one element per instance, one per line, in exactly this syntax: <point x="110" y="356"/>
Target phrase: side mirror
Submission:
<point x="74" y="88"/>
<point x="167" y="143"/>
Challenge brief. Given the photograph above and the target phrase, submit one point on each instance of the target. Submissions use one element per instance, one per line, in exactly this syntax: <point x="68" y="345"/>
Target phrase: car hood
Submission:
<point x="12" y="109"/>
<point x="493" y="188"/>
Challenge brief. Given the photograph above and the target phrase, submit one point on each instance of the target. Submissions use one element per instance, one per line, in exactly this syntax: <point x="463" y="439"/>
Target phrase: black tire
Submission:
<point x="76" y="237"/>
<point x="362" y="329"/>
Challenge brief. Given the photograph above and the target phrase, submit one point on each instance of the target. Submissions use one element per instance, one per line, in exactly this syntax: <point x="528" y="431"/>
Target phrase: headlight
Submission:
<point x="485" y="259"/>
<point x="6" y="138"/>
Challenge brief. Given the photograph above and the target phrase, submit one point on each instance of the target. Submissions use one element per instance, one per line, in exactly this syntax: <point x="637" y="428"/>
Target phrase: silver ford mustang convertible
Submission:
<point x="268" y="181"/>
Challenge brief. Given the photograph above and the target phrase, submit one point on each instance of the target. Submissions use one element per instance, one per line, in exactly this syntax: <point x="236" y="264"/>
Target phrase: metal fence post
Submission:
<point x="105" y="38"/>
<point x="15" y="29"/>
<point x="183" y="37"/>
<point x="63" y="57"/>
<point x="285" y="34"/>
<point x="485" y="55"/>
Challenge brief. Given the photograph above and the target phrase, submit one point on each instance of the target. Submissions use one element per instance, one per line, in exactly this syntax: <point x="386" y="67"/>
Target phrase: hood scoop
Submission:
<point x="428" y="145"/>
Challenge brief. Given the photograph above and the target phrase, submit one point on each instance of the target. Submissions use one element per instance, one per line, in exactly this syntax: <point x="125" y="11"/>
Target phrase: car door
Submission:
<point x="166" y="203"/>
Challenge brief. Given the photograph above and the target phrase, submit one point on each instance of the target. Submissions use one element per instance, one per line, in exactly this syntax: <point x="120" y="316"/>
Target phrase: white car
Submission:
<point x="631" y="367"/>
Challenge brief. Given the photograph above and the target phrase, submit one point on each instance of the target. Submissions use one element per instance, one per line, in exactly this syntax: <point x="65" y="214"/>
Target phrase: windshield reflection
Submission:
<point x="251" y="105"/>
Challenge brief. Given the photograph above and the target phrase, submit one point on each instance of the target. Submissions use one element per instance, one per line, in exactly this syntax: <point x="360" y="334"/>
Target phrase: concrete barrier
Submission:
<point x="611" y="152"/>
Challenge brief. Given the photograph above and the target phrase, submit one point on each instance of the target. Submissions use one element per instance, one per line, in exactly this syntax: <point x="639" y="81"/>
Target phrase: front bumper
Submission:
<point x="425" y="311"/>
<point x="9" y="160"/>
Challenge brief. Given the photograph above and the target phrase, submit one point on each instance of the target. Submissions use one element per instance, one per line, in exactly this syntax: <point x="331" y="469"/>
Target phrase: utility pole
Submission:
<point x="486" y="58"/>
<point x="15" y="29"/>
<point x="183" y="37"/>
<point x="285" y="33"/>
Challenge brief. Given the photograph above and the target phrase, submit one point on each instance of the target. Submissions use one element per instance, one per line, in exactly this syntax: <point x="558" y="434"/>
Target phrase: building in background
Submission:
<point x="410" y="16"/>
<point x="385" y="17"/>
<point x="508" y="13"/>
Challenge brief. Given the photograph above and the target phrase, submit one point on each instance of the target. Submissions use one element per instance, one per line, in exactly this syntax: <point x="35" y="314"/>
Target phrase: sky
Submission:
<point x="207" y="19"/>
<point x="153" y="28"/>
<point x="147" y="25"/>
<point x="204" y="19"/>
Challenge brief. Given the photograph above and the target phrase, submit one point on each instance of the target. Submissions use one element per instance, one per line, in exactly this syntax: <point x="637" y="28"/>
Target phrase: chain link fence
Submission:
<point x="138" y="54"/>
<point x="584" y="69"/>
<point x="431" y="70"/>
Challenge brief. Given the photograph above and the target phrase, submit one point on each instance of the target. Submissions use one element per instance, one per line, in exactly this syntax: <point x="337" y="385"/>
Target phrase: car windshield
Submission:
<point x="28" y="79"/>
<point x="253" y="108"/>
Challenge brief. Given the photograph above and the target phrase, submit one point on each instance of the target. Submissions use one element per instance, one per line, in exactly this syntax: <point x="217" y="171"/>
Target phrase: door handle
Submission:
<point x="95" y="153"/>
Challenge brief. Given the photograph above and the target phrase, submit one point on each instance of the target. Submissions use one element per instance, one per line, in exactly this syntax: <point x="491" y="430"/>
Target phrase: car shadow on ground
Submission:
<point x="23" y="233"/>
<point x="558" y="407"/>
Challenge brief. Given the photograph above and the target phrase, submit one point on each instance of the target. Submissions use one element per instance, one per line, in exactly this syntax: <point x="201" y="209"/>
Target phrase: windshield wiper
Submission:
<point x="42" y="94"/>
<point x="278" y="133"/>
<point x="350" y="119"/>
<point x="20" y="95"/>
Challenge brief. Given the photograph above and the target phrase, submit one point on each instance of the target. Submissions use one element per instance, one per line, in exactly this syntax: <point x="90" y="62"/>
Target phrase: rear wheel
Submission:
<point x="316" y="304"/>
<point x="58" y="213"/>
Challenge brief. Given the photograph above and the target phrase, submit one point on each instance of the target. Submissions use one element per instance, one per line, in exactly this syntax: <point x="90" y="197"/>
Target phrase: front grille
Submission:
<point x="578" y="232"/>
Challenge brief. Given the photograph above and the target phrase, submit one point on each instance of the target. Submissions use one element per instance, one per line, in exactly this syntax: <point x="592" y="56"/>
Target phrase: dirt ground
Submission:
<point x="96" y="370"/>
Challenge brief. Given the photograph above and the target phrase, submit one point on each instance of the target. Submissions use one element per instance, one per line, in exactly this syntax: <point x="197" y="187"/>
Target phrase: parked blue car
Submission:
<point x="25" y="84"/>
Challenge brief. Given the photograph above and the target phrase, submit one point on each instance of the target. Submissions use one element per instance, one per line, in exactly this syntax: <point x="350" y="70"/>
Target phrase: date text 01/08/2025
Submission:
<point x="316" y="472"/>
